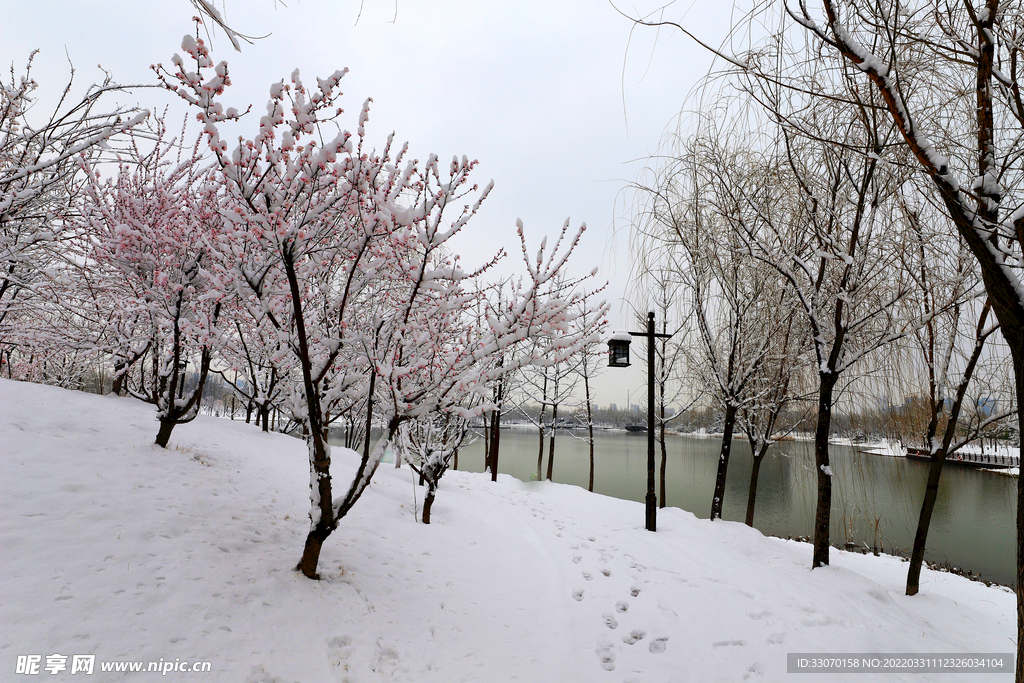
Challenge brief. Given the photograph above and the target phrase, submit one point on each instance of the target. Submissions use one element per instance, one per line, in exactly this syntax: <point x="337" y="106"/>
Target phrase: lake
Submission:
<point x="876" y="499"/>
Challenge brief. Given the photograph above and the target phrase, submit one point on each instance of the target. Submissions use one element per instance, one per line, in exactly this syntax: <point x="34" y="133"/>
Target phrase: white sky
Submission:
<point x="555" y="99"/>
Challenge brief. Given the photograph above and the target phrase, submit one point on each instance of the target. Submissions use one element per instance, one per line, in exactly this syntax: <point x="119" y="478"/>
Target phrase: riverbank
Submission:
<point x="975" y="455"/>
<point x="116" y="548"/>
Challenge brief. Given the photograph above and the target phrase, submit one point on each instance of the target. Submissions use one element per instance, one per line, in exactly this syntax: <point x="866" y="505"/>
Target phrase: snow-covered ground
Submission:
<point x="115" y="548"/>
<point x="892" y="449"/>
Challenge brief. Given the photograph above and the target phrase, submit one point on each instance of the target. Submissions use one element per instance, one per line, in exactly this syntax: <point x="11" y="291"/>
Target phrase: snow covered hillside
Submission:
<point x="116" y="548"/>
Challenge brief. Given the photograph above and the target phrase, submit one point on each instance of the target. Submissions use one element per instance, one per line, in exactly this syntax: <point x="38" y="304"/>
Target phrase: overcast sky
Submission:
<point x="562" y="101"/>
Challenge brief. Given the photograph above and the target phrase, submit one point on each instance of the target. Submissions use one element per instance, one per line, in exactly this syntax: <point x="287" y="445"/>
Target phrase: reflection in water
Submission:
<point x="876" y="500"/>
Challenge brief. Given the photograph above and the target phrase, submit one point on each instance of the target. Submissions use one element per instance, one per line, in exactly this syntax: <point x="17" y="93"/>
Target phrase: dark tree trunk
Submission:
<point x="120" y="372"/>
<point x="428" y="502"/>
<point x="590" y="424"/>
<point x="323" y="521"/>
<point x="487" y="443"/>
<point x="311" y="551"/>
<point x="369" y="419"/>
<point x="1017" y="351"/>
<point x="551" y="440"/>
<point x="540" y="423"/>
<point x="163" y="436"/>
<point x="755" y="470"/>
<point x="723" y="462"/>
<point x="931" y="492"/>
<point x="495" y="440"/>
<point x="823" y="511"/>
<point x="590" y="439"/>
<point x="318" y="533"/>
<point x="265" y="417"/>
<point x="664" y="451"/>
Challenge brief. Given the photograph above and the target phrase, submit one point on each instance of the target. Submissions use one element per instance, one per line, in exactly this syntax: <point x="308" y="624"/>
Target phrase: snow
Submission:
<point x="120" y="549"/>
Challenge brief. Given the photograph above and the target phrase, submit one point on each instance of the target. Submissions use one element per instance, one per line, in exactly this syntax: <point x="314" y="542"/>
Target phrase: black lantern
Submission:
<point x="618" y="350"/>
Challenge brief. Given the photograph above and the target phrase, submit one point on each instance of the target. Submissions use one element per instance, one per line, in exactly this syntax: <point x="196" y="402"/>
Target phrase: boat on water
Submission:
<point x="636" y="428"/>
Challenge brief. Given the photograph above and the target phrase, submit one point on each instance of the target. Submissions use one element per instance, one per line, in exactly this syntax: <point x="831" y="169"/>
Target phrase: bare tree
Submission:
<point x="775" y="390"/>
<point x="950" y="347"/>
<point x="948" y="76"/>
<point x="590" y="356"/>
<point x="689" y="221"/>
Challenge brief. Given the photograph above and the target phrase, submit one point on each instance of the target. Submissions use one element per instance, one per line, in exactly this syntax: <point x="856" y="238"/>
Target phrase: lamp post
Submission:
<point x="618" y="357"/>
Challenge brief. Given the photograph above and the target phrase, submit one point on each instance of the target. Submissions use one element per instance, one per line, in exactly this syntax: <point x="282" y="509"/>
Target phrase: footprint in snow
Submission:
<point x="658" y="645"/>
<point x="577" y="595"/>
<point x="339" y="650"/>
<point x="610" y="621"/>
<point x="634" y="637"/>
<point x="730" y="643"/>
<point x="622" y="607"/>
<point x="606" y="655"/>
<point x="606" y="572"/>
<point x="754" y="673"/>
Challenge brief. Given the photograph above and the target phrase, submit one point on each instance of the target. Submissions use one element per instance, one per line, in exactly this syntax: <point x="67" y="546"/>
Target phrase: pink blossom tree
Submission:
<point x="344" y="251"/>
<point x="151" y="231"/>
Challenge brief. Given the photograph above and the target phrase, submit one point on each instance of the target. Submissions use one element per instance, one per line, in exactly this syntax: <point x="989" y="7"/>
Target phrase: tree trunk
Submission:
<point x="590" y="423"/>
<point x="755" y="470"/>
<point x="322" y="511"/>
<point x="664" y="451"/>
<point x="120" y="373"/>
<point x="1015" y="341"/>
<point x="723" y="462"/>
<point x="823" y="512"/>
<point x="265" y="417"/>
<point x="428" y="502"/>
<point x="163" y="436"/>
<point x="320" y="464"/>
<point x="495" y="440"/>
<point x="931" y="493"/>
<point x="369" y="418"/>
<point x="311" y="551"/>
<point x="540" y="427"/>
<point x="551" y="440"/>
<point x="488" y="426"/>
